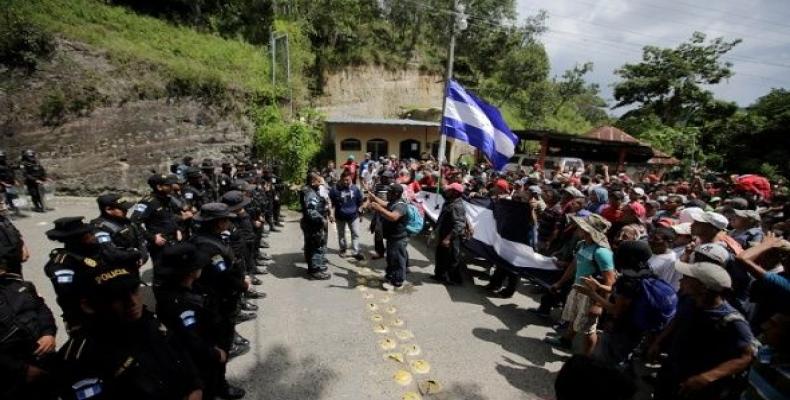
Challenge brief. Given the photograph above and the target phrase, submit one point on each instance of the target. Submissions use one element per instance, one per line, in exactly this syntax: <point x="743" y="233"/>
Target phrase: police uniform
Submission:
<point x="68" y="267"/>
<point x="11" y="246"/>
<point x="141" y="360"/>
<point x="34" y="172"/>
<point x="314" y="228"/>
<point x="190" y="314"/>
<point x="194" y="193"/>
<point x="225" y="179"/>
<point x="223" y="277"/>
<point x="118" y="237"/>
<point x="154" y="213"/>
<point x="8" y="182"/>
<point x="24" y="319"/>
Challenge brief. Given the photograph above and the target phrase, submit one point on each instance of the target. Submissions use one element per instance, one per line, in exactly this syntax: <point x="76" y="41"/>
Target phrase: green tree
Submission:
<point x="670" y="83"/>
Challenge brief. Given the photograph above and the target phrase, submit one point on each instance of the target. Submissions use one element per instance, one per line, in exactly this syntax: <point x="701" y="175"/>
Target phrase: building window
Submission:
<point x="377" y="148"/>
<point x="351" y="145"/>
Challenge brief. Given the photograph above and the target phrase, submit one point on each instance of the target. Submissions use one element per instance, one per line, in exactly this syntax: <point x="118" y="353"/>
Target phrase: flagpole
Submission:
<point x="448" y="75"/>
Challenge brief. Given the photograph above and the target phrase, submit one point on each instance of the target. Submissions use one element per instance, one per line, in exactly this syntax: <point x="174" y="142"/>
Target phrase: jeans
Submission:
<point x="315" y="249"/>
<point x="397" y="260"/>
<point x="353" y="226"/>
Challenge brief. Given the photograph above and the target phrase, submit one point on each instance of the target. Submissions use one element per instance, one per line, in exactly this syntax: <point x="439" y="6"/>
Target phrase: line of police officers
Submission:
<point x="204" y="236"/>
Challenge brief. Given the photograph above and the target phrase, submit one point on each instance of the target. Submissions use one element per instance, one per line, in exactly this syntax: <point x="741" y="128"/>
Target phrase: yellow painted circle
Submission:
<point x="391" y="310"/>
<point x="397" y="322"/>
<point x="376" y="318"/>
<point x="380" y="328"/>
<point x="402" y="377"/>
<point x="372" y="307"/>
<point x="387" y="344"/>
<point x="397" y="357"/>
<point x="404" y="334"/>
<point x="411" y="396"/>
<point x="411" y="349"/>
<point x="420" y="366"/>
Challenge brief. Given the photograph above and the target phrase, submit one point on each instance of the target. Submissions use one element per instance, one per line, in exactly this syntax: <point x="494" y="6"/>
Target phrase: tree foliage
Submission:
<point x="670" y="83"/>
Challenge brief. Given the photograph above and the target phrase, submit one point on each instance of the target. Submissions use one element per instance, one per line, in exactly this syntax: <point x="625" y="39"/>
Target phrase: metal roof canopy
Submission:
<point x="589" y="149"/>
<point x="380" y="121"/>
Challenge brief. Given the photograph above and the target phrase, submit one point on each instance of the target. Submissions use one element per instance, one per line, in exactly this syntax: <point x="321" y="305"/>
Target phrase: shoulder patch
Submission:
<point x="64" y="276"/>
<point x="90" y="262"/>
<point x="87" y="388"/>
<point x="219" y="263"/>
<point x="188" y="318"/>
<point x="103" y="237"/>
<point x="140" y="207"/>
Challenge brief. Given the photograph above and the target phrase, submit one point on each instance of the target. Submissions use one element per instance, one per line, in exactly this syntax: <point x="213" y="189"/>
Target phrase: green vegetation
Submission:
<point x="22" y="44"/>
<point x="675" y="111"/>
<point x="292" y="144"/>
<point x="197" y="62"/>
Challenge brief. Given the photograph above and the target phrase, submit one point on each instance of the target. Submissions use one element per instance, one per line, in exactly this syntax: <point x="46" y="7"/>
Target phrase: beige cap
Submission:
<point x="712" y="276"/>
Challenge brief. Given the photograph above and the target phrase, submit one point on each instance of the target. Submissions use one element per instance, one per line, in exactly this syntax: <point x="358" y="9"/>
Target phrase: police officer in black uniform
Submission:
<point x="225" y="180"/>
<point x="314" y="227"/>
<point x="68" y="266"/>
<point x="210" y="179"/>
<point x="8" y="182"/>
<point x="27" y="339"/>
<point x="117" y="236"/>
<point x="195" y="193"/>
<point x="223" y="279"/>
<point x="122" y="351"/>
<point x="154" y="213"/>
<point x="35" y="175"/>
<point x="190" y="314"/>
<point x="11" y="239"/>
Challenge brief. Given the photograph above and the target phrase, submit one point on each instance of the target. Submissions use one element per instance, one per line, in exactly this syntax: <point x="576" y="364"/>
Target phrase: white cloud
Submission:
<point x="611" y="33"/>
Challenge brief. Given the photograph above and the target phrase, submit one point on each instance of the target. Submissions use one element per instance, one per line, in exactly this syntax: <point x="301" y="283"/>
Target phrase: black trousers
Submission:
<point x="448" y="261"/>
<point x="34" y="189"/>
<point x="397" y="260"/>
<point x="500" y="276"/>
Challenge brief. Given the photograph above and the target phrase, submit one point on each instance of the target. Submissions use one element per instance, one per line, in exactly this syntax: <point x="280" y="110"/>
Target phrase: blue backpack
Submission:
<point x="414" y="221"/>
<point x="655" y="306"/>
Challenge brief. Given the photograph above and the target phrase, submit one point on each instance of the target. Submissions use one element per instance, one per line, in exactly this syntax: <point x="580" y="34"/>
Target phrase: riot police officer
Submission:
<point x="122" y="351"/>
<point x="223" y="279"/>
<point x="187" y="311"/>
<point x="270" y="174"/>
<point x="35" y="176"/>
<point x="68" y="266"/>
<point x="117" y="236"/>
<point x="154" y="213"/>
<point x="8" y="182"/>
<point x="314" y="227"/>
<point x="27" y="338"/>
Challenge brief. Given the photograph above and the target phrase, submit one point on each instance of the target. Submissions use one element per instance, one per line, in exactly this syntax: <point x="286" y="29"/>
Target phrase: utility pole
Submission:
<point x="457" y="22"/>
<point x="273" y="38"/>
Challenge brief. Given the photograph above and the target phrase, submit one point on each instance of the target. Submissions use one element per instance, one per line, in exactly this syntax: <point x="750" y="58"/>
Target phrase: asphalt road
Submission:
<point x="346" y="339"/>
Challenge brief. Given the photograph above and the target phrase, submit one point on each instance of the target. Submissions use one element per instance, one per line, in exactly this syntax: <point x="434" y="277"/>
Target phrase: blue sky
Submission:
<point x="612" y="32"/>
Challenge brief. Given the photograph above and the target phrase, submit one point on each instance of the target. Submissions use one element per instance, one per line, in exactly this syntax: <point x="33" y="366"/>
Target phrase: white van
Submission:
<point x="524" y="162"/>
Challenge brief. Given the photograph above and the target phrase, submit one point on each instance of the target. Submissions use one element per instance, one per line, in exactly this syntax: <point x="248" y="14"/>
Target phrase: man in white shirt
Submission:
<point x="662" y="263"/>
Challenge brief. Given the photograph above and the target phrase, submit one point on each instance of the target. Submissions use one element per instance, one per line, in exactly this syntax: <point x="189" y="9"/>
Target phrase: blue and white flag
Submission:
<point x="469" y="119"/>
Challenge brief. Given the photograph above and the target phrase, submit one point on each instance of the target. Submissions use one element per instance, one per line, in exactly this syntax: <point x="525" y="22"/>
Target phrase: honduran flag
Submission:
<point x="469" y="119"/>
<point x="501" y="235"/>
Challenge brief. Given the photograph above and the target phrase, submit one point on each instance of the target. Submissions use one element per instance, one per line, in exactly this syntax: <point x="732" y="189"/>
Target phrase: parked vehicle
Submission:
<point x="524" y="162"/>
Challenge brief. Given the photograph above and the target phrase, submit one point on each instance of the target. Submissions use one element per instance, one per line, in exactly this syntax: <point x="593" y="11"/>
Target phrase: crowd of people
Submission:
<point x="686" y="274"/>
<point x="681" y="275"/>
<point x="203" y="228"/>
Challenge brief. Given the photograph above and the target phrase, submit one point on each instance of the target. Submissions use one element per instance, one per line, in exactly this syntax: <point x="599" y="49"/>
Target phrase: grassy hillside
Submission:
<point x="194" y="62"/>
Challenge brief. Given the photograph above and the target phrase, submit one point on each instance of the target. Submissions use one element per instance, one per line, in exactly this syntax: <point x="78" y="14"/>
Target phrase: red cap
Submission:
<point x="502" y="185"/>
<point x="455" y="186"/>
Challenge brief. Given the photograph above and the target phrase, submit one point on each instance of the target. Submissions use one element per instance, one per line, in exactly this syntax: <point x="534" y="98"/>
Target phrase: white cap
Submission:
<point x="712" y="276"/>
<point x="682" y="229"/>
<point x="719" y="221"/>
<point x="714" y="253"/>
<point x="750" y="214"/>
<point x="687" y="214"/>
<point x="639" y="191"/>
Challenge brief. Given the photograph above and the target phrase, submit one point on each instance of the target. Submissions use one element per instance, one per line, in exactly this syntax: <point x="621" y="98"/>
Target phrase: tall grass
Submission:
<point x="191" y="58"/>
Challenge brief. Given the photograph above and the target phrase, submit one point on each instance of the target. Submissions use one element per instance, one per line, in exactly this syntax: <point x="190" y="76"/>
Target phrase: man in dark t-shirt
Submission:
<point x="394" y="215"/>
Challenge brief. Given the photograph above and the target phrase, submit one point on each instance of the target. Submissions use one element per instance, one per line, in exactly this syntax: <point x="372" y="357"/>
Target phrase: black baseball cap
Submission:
<point x="111" y="282"/>
<point x="113" y="201"/>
